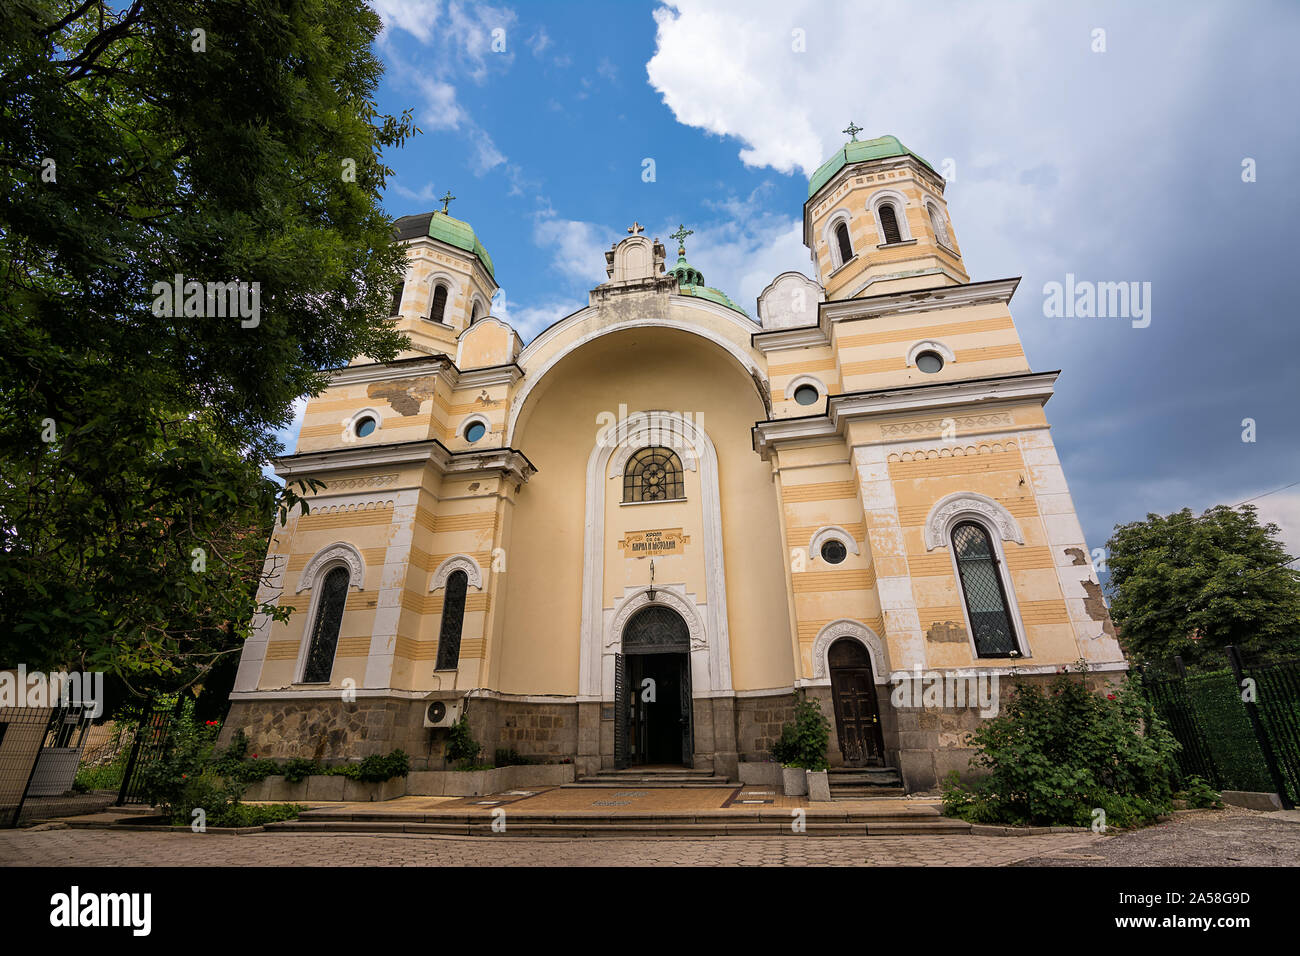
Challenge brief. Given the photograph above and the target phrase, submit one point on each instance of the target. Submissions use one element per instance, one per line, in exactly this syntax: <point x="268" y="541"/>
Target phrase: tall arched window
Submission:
<point x="842" y="240"/>
<point x="396" y="308"/>
<point x="981" y="585"/>
<point x="936" y="221"/>
<point x="325" y="629"/>
<point x="477" y="313"/>
<point x="453" y="621"/>
<point x="438" y="310"/>
<point x="889" y="222"/>
<point x="653" y="474"/>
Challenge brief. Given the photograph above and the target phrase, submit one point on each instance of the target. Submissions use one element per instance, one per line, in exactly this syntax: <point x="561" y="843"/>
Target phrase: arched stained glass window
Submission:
<point x="842" y="239"/>
<point x="981" y="585"/>
<point x="438" y="311"/>
<point x="325" y="629"/>
<point x="453" y="621"/>
<point x="653" y="474"/>
<point x="889" y="223"/>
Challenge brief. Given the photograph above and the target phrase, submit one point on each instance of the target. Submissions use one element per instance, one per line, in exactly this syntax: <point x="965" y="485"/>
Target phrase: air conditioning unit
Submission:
<point x="441" y="713"/>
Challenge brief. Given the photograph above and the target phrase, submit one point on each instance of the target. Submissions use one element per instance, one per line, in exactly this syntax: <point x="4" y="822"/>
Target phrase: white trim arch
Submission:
<point x="900" y="213"/>
<point x="350" y="423"/>
<point x="952" y="509"/>
<point x="847" y="627"/>
<point x="533" y="376"/>
<point x="338" y="553"/>
<point x="939" y="223"/>
<point x="470" y="419"/>
<point x="653" y="429"/>
<point x="795" y="383"/>
<point x="930" y="345"/>
<point x="830" y="532"/>
<point x="841" y="215"/>
<point x="710" y="643"/>
<point x="453" y="289"/>
<point x="664" y="597"/>
<point x="457" y="562"/>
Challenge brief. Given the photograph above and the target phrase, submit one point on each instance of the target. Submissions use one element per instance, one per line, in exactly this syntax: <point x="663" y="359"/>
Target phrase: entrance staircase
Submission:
<point x="644" y="778"/>
<point x="857" y="783"/>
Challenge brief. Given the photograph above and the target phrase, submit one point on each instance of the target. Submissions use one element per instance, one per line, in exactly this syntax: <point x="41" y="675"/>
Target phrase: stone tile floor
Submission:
<point x="74" y="847"/>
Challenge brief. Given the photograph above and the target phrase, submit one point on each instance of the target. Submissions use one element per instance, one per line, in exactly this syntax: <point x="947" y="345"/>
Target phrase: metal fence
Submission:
<point x="1239" y="727"/>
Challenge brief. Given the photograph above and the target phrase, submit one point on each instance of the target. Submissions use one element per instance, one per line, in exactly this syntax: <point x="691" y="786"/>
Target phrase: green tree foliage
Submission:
<point x="804" y="740"/>
<point x="217" y="140"/>
<point x="1189" y="585"/>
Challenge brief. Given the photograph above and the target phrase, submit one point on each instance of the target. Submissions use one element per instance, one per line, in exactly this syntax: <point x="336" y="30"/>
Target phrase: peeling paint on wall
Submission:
<point x="1096" y="607"/>
<point x="1077" y="555"/>
<point x="946" y="632"/>
<point x="406" y="396"/>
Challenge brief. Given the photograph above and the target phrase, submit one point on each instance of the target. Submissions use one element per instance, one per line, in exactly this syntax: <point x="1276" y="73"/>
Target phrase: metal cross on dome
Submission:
<point x="681" y="234"/>
<point x="446" y="201"/>
<point x="853" y="130"/>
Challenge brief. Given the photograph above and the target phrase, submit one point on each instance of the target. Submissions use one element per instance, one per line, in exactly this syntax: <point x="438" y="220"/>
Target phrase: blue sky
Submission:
<point x="1115" y="165"/>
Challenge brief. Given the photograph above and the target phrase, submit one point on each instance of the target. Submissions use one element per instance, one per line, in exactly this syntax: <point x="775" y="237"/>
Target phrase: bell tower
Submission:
<point x="876" y="221"/>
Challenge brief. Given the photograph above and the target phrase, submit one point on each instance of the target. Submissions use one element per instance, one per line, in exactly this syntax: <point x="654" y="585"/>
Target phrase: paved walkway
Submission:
<point x="75" y="847"/>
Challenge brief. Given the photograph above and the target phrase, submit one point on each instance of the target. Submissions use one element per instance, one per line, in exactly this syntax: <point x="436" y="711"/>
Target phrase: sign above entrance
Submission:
<point x="641" y="544"/>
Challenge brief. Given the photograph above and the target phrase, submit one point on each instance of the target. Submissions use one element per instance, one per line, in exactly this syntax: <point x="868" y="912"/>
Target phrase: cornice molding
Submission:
<point x="855" y="406"/>
<point x="921" y="300"/>
<point x="504" y="461"/>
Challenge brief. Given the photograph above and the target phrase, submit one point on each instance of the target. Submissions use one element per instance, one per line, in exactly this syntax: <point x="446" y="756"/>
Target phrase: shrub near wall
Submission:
<point x="1054" y="757"/>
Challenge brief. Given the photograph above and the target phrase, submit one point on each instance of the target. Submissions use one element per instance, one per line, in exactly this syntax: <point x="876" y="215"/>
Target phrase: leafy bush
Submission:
<point x="1053" y="757"/>
<point x="375" y="768"/>
<point x="462" y="748"/>
<point x="256" y="814"/>
<point x="803" y="742"/>
<point x="1200" y="795"/>
<point x="299" y="769"/>
<point x="107" y="776"/>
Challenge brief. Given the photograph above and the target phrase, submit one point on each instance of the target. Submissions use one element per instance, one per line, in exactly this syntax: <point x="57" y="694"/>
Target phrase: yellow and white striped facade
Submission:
<point x="885" y="461"/>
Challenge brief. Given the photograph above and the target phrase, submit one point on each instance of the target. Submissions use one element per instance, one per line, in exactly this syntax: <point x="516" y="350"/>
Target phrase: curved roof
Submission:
<point x="690" y="281"/>
<point x="445" y="228"/>
<point x="860" y="151"/>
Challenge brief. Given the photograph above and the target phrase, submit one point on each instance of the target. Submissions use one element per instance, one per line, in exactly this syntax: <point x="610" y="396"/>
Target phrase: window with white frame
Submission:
<point x="331" y="598"/>
<point x="983" y="589"/>
<point x="938" y="224"/>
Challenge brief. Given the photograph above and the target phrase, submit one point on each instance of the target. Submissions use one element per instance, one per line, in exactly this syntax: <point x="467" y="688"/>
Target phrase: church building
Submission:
<point x="637" y="538"/>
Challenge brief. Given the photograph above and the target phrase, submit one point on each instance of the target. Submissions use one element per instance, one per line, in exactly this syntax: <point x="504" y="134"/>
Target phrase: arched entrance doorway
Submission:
<point x="853" y="690"/>
<point x="652" y="704"/>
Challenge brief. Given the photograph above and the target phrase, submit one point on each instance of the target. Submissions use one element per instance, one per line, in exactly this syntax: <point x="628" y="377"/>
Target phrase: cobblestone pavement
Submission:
<point x="85" y="847"/>
<point x="1228" y="837"/>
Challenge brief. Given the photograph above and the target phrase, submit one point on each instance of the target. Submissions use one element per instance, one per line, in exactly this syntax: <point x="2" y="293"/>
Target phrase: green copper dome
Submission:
<point x="690" y="281"/>
<point x="857" y="151"/>
<point x="445" y="228"/>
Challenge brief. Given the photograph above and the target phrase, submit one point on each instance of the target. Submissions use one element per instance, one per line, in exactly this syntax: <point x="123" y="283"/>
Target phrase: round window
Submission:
<point x="475" y="431"/>
<point x="929" y="362"/>
<point x="366" y="426"/>
<point x="806" y="394"/>
<point x="833" y="551"/>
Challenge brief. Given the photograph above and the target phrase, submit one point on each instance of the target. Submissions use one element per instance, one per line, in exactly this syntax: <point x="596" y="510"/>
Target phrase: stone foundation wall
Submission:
<point x="925" y="744"/>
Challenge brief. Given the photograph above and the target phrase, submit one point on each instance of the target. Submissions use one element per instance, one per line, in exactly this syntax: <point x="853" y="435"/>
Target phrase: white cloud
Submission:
<point x="1283" y="509"/>
<point x="577" y="249"/>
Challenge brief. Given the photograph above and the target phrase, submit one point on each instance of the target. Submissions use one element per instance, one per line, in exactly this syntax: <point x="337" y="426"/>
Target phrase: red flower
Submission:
<point x="1110" y="697"/>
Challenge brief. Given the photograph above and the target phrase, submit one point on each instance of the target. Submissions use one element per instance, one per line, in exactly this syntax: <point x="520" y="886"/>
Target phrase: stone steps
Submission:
<point x="886" y="822"/>
<point x="859" y="783"/>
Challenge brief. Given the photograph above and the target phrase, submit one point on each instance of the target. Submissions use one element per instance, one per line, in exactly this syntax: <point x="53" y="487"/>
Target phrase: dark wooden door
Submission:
<point x="853" y="691"/>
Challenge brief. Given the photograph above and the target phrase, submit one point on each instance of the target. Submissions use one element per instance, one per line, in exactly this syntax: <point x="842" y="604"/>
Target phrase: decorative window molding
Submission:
<point x="711" y="662"/>
<point x="449" y="284"/>
<point x="830" y="532"/>
<point x="478" y="308"/>
<point x="831" y="240"/>
<point x="899" y="202"/>
<point x="664" y="429"/>
<point x="799" y="380"/>
<point x="451" y="626"/>
<point x="350" y="423"/>
<point x="1007" y="593"/>
<point x="457" y="562"/>
<point x="952" y="509"/>
<point x="470" y="420"/>
<point x="939" y="223"/>
<point x="664" y="596"/>
<point x="930" y="345"/>
<point x="340" y="552"/>
<point x="847" y="627"/>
